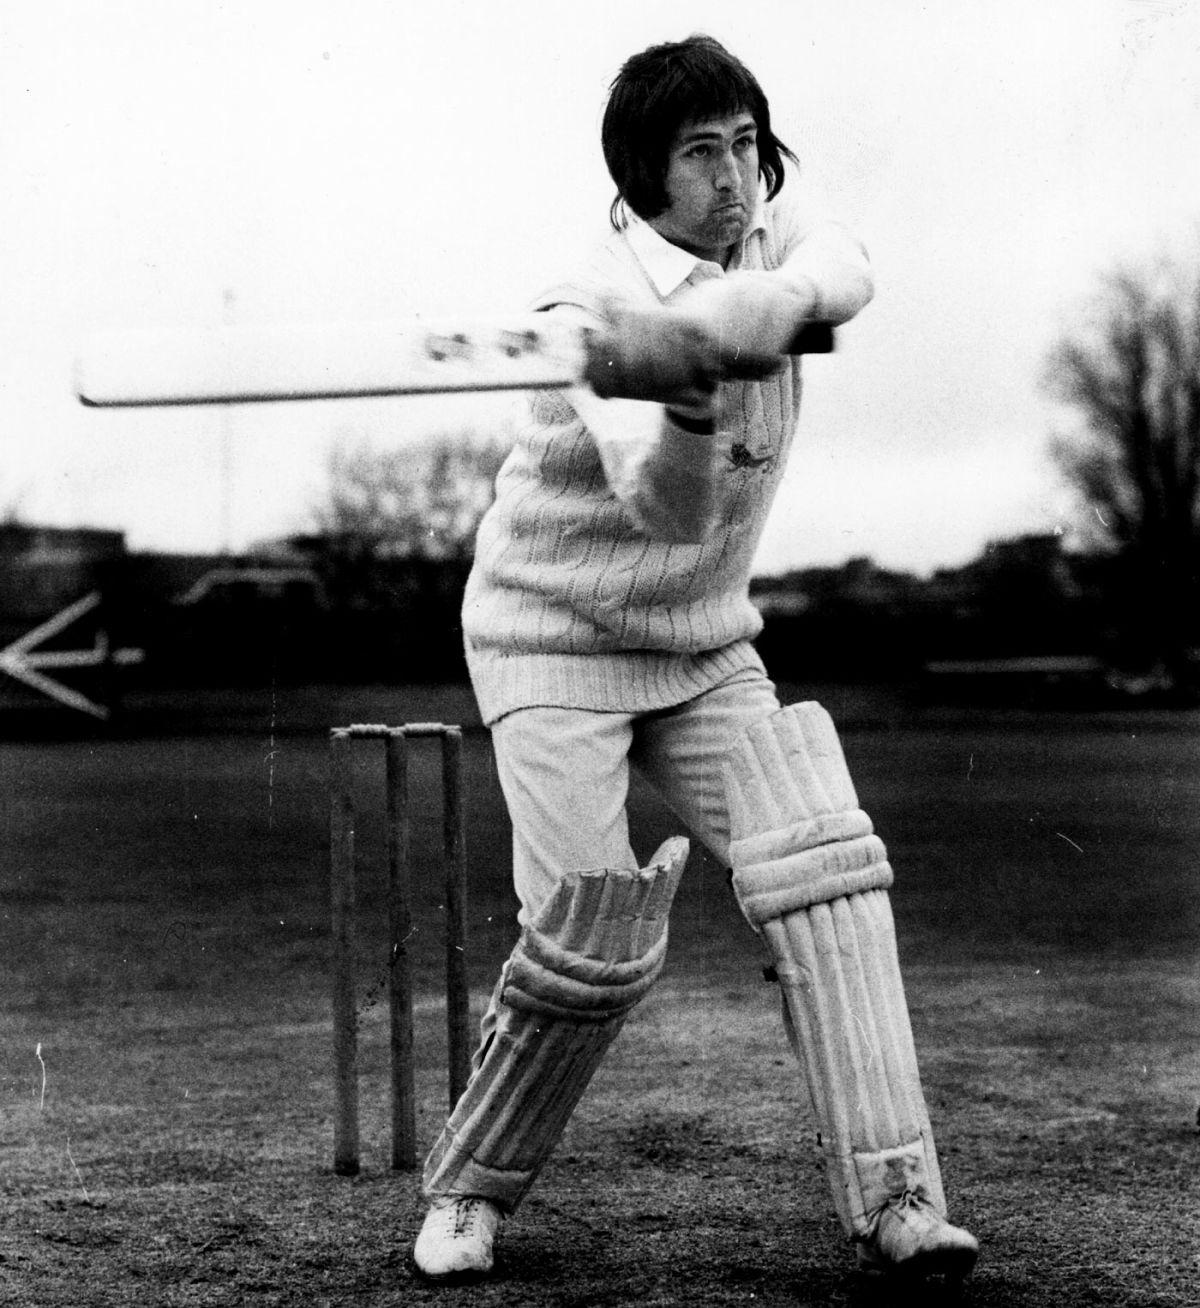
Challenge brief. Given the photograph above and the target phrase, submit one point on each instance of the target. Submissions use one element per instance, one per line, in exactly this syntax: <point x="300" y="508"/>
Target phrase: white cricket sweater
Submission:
<point x="613" y="570"/>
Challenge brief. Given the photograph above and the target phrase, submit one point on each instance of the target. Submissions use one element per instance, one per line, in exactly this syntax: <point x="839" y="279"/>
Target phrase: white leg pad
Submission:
<point x="583" y="962"/>
<point x="812" y="879"/>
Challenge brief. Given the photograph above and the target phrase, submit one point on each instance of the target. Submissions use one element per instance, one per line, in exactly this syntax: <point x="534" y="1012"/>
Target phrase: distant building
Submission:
<point x="1024" y="598"/>
<point x="43" y="569"/>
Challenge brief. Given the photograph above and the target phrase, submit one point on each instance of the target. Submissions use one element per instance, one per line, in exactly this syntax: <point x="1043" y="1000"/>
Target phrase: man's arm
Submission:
<point x="658" y="460"/>
<point x="819" y="252"/>
<point x="832" y="265"/>
<point x="664" y="474"/>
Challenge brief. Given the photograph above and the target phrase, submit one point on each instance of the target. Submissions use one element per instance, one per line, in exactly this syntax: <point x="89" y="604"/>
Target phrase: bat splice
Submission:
<point x="259" y="364"/>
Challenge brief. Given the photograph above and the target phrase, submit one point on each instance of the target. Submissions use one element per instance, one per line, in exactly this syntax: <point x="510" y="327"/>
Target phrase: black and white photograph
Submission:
<point x="600" y="653"/>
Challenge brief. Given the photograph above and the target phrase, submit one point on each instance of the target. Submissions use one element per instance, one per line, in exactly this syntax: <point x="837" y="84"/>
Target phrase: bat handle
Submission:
<point x="813" y="338"/>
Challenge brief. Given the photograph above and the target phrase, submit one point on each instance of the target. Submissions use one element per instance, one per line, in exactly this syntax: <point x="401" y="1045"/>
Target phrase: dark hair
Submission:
<point x="655" y="94"/>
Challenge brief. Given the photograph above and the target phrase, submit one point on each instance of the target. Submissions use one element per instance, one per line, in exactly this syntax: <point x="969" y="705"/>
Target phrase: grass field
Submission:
<point x="164" y="1037"/>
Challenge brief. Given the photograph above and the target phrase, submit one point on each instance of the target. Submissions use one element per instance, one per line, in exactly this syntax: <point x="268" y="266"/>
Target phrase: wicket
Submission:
<point x="343" y="901"/>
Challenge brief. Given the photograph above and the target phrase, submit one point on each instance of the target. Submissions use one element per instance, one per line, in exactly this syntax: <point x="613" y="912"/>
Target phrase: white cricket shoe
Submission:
<point x="910" y="1237"/>
<point x="456" y="1238"/>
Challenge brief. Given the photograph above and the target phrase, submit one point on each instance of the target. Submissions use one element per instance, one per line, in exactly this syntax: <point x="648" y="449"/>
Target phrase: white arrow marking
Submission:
<point x="20" y="661"/>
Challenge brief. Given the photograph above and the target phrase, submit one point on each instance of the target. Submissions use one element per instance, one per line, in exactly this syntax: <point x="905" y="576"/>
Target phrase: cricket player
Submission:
<point x="608" y="625"/>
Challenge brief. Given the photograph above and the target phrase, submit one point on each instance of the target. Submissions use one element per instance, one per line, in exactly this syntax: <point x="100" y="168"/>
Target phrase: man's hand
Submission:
<point x="654" y="354"/>
<point x="737" y="327"/>
<point x="753" y="318"/>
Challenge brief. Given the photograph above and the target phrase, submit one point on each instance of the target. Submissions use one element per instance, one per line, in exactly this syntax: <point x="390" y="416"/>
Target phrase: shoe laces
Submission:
<point x="466" y="1215"/>
<point x="908" y="1199"/>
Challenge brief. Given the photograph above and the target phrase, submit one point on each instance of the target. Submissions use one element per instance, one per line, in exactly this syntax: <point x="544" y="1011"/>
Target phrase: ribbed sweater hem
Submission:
<point x="625" y="681"/>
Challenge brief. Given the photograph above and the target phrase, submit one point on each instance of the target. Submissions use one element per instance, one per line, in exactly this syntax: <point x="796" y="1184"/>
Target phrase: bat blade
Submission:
<point x="243" y="365"/>
<point x="336" y="361"/>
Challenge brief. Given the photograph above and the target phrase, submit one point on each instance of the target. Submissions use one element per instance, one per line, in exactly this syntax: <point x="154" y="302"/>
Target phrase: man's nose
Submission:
<point x="726" y="176"/>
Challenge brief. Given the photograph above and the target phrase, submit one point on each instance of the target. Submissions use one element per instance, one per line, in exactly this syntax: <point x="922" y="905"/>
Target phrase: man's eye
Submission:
<point x="744" y="143"/>
<point x="698" y="151"/>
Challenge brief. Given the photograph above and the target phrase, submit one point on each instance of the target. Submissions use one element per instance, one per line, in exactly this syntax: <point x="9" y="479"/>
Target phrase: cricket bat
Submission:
<point x="258" y="364"/>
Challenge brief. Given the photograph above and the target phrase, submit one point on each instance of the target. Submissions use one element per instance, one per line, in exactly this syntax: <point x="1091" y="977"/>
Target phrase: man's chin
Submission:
<point x="731" y="226"/>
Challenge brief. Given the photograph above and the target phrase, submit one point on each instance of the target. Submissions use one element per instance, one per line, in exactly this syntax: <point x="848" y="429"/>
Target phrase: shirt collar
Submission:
<point x="668" y="266"/>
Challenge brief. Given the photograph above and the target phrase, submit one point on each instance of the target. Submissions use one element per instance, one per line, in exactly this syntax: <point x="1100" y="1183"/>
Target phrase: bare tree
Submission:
<point x="1131" y="371"/>
<point x="394" y="543"/>
<point x="419" y="501"/>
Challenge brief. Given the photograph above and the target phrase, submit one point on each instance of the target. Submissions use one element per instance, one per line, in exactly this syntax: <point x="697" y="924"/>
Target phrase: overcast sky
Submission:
<point x="164" y="162"/>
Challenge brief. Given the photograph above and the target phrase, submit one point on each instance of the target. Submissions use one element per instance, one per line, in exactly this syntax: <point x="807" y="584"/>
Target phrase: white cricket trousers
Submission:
<point x="565" y="776"/>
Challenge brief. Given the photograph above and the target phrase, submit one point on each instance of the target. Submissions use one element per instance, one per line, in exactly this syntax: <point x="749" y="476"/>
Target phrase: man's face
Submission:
<point x="712" y="185"/>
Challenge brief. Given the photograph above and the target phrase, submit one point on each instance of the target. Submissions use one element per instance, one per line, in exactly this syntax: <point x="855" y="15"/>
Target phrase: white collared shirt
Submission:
<point x="667" y="265"/>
